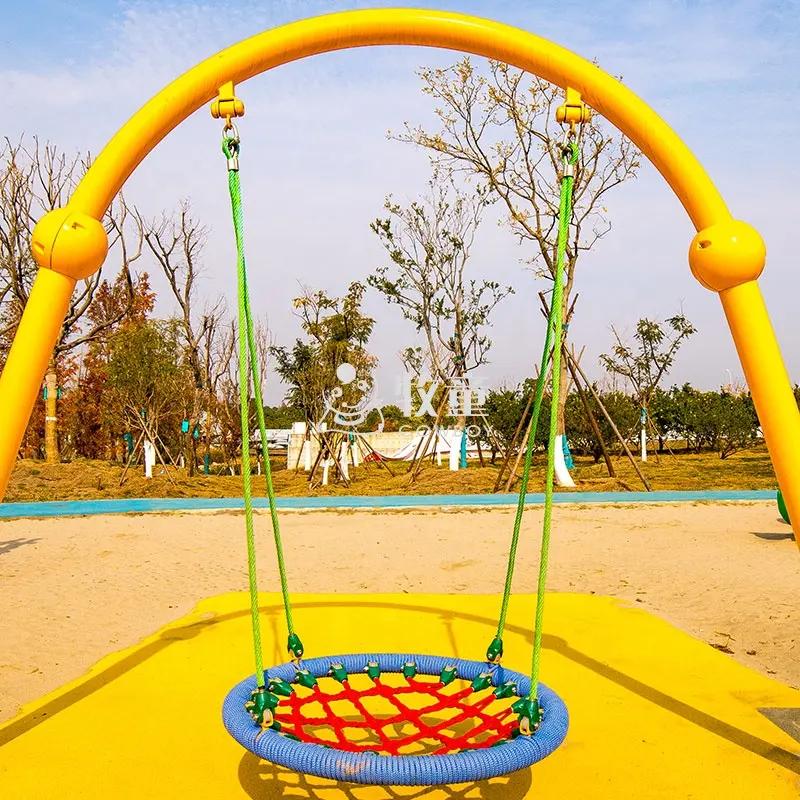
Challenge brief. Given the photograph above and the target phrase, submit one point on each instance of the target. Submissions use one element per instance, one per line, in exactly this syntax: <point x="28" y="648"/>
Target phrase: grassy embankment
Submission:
<point x="91" y="480"/>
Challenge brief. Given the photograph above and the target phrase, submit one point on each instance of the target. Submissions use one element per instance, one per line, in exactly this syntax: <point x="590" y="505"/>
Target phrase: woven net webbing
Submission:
<point x="395" y="715"/>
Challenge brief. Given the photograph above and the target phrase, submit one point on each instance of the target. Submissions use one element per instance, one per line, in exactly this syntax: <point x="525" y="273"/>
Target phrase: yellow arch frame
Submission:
<point x="726" y="256"/>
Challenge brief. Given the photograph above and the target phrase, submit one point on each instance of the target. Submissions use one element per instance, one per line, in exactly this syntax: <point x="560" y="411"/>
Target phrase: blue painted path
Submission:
<point x="144" y="505"/>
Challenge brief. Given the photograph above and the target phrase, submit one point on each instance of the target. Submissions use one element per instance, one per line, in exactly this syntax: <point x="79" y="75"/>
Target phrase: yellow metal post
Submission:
<point x="769" y="384"/>
<point x="21" y="379"/>
<point x="68" y="245"/>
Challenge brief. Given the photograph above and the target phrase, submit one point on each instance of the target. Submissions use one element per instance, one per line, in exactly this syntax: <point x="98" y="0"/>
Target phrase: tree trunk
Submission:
<point x="192" y="453"/>
<point x="563" y="377"/>
<point x="463" y="393"/>
<point x="187" y="448"/>
<point x="51" y="416"/>
<point x="563" y="478"/>
<point x="562" y="398"/>
<point x="207" y="432"/>
<point x="206" y="453"/>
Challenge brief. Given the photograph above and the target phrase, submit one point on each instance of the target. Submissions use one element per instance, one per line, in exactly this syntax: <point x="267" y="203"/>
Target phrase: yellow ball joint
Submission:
<point x="726" y="255"/>
<point x="69" y="242"/>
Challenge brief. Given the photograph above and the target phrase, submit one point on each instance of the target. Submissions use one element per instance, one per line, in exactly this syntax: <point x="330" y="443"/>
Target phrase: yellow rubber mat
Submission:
<point x="654" y="713"/>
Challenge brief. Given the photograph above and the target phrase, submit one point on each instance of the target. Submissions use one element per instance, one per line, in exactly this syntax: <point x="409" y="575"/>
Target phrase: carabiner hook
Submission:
<point x="230" y="144"/>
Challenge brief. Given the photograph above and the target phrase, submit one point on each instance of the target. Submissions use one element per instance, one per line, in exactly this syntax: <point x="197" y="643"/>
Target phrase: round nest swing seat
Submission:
<point x="396" y="719"/>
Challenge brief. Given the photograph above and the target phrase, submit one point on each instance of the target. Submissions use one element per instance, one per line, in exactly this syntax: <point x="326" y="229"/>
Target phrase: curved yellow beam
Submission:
<point x="402" y="26"/>
<point x="726" y="256"/>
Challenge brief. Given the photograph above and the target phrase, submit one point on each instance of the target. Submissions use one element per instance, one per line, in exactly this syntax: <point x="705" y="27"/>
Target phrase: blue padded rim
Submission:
<point x="376" y="769"/>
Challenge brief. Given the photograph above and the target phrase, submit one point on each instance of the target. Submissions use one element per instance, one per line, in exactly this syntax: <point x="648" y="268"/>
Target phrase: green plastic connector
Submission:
<point x="530" y="714"/>
<point x="504" y="690"/>
<point x="481" y="682"/>
<point x="276" y="726"/>
<point x="260" y="706"/>
<point x="305" y="678"/>
<point x="409" y="669"/>
<point x="295" y="646"/>
<point x="292" y="736"/>
<point x="495" y="651"/>
<point x="373" y="669"/>
<point x="448" y="675"/>
<point x="521" y="705"/>
<point x="338" y="672"/>
<point x="280" y="687"/>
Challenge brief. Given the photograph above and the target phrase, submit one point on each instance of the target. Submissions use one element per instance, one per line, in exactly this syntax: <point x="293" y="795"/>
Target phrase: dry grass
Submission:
<point x="92" y="480"/>
<point x="749" y="469"/>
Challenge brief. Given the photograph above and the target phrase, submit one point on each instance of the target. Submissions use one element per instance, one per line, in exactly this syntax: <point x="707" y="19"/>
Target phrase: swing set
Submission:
<point x="402" y="718"/>
<point x="446" y="718"/>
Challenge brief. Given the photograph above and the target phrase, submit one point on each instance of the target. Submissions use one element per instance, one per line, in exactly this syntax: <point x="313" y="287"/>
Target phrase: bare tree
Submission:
<point x="500" y="128"/>
<point x="177" y="242"/>
<point x="217" y="351"/>
<point x="429" y="243"/>
<point x="227" y="417"/>
<point x="17" y="267"/>
<point x="34" y="181"/>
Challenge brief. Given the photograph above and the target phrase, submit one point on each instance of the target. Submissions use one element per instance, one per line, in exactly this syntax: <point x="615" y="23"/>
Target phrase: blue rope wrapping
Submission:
<point x="376" y="769"/>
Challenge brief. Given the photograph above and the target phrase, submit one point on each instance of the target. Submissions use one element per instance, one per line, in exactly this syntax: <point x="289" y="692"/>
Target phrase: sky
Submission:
<point x="317" y="162"/>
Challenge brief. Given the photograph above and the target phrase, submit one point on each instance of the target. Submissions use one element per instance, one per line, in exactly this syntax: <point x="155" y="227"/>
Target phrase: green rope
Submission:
<point x="294" y="643"/>
<point x="230" y="148"/>
<point x="564" y="216"/>
<point x="248" y="367"/>
<point x="495" y="649"/>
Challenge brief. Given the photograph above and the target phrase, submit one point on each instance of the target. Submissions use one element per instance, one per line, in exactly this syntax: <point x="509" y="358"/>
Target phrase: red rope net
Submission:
<point x="412" y="717"/>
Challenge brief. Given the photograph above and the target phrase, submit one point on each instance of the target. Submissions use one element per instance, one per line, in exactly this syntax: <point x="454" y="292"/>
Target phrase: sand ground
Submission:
<point x="76" y="589"/>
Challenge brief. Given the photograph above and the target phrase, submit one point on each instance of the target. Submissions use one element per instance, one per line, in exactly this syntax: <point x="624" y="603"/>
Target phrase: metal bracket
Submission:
<point x="227" y="105"/>
<point x="573" y="111"/>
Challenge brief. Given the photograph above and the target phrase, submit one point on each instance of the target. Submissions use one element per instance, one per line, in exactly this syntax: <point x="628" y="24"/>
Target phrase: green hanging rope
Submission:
<point x="248" y="367"/>
<point x="294" y="645"/>
<point x="528" y="708"/>
<point x="495" y="651"/>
